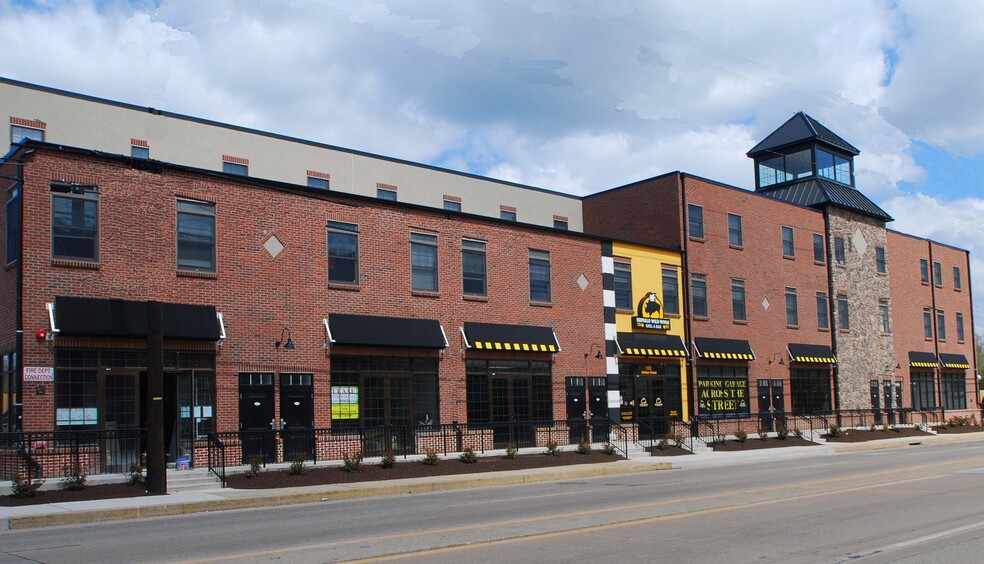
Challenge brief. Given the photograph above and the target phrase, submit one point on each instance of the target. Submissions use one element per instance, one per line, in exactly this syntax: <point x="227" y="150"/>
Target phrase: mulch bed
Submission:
<point x="959" y="429"/>
<point x="862" y="435"/>
<point x="668" y="451"/>
<point x="102" y="491"/>
<point x="321" y="475"/>
<point x="757" y="444"/>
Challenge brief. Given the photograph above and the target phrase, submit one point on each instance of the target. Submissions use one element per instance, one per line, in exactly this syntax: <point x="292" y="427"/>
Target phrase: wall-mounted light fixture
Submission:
<point x="778" y="355"/>
<point x="288" y="344"/>
<point x="599" y="354"/>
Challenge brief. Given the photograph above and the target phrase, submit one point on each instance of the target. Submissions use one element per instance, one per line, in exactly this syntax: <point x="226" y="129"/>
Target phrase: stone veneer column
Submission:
<point x="864" y="353"/>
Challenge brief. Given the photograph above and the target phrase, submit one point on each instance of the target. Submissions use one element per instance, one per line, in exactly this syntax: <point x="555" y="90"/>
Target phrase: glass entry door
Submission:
<point x="511" y="415"/>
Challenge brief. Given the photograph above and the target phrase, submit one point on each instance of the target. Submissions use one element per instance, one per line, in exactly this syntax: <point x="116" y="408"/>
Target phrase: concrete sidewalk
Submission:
<point x="219" y="499"/>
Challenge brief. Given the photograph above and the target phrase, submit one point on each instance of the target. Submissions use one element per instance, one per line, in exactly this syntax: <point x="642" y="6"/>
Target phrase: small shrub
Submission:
<point x="25" y="487"/>
<point x="741" y="436"/>
<point x="873" y="427"/>
<point x="254" y="467"/>
<point x="551" y="448"/>
<point x="352" y="461"/>
<point x="583" y="447"/>
<point x="763" y="435"/>
<point x="677" y="439"/>
<point x="511" y="451"/>
<point x="468" y="456"/>
<point x="663" y="444"/>
<point x="608" y="449"/>
<point x="389" y="459"/>
<point x="782" y="432"/>
<point x="717" y="439"/>
<point x="75" y="477"/>
<point x="431" y="458"/>
<point x="885" y="428"/>
<point x="135" y="475"/>
<point x="297" y="467"/>
<point x="834" y="431"/>
<point x="957" y="421"/>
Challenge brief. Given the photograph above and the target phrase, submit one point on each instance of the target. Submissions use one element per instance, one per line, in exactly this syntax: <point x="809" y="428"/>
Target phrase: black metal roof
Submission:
<point x="819" y="192"/>
<point x="798" y="129"/>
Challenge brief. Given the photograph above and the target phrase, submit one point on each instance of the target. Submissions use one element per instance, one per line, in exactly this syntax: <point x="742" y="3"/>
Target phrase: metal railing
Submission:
<point x="216" y="458"/>
<point x="618" y="437"/>
<point x="36" y="454"/>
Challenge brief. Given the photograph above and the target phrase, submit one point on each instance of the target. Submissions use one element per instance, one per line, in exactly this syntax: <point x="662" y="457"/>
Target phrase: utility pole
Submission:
<point x="156" y="463"/>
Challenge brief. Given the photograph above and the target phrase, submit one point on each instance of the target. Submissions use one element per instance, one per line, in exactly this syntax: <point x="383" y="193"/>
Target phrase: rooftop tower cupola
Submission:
<point x="805" y="163"/>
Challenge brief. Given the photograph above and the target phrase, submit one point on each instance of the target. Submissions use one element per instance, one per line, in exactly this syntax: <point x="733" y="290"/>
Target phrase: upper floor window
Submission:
<point x="738" y="299"/>
<point x="196" y="235"/>
<point x="784" y="168"/>
<point x="343" y="253"/>
<point x="843" y="313"/>
<point x="840" y="254"/>
<point x="927" y="323"/>
<point x="671" y="291"/>
<point x="881" y="263"/>
<point x="507" y="213"/>
<point x="834" y="167"/>
<point x="19" y="132"/>
<point x="452" y="204"/>
<point x="13" y="224"/>
<point x="956" y="278"/>
<point x="235" y="165"/>
<point x="924" y="271"/>
<point x="823" y="313"/>
<point x="884" y="317"/>
<point x="938" y="274"/>
<point x="788" y="247"/>
<point x="474" y="280"/>
<point x="941" y="324"/>
<point x="386" y="194"/>
<point x="698" y="294"/>
<point x="734" y="230"/>
<point x="318" y="182"/>
<point x="560" y="223"/>
<point x="423" y="262"/>
<point x="139" y="150"/>
<point x="74" y="222"/>
<point x="819" y="252"/>
<point x="960" y="328"/>
<point x="695" y="219"/>
<point x="539" y="276"/>
<point x="623" y="285"/>
<point x="792" y="308"/>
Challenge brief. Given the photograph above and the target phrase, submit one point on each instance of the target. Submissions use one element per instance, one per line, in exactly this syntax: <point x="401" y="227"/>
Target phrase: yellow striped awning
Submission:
<point x="510" y="338"/>
<point x="811" y="354"/>
<point x="954" y="361"/>
<point x="648" y="344"/>
<point x="924" y="364"/>
<point x="528" y="347"/>
<point x="723" y="349"/>
<point x="923" y="360"/>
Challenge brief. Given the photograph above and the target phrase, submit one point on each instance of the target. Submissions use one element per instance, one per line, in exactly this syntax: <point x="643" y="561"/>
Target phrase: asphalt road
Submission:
<point x="913" y="504"/>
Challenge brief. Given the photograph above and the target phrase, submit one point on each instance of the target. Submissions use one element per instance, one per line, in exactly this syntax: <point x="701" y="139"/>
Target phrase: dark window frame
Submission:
<point x="671" y="290"/>
<point x="739" y="301"/>
<point x="819" y="249"/>
<point x="884" y="316"/>
<point x="957" y="283"/>
<point x="238" y="169"/>
<point x="840" y="251"/>
<point x="698" y="295"/>
<point x="928" y="323"/>
<point x="937" y="274"/>
<point x="540" y="276"/>
<point x="37" y="134"/>
<point x="13" y="224"/>
<point x="193" y="210"/>
<point x="953" y="389"/>
<point x="80" y="204"/>
<point x="424" y="262"/>
<point x="788" y="242"/>
<point x="924" y="270"/>
<point x="318" y="183"/>
<point x="695" y="218"/>
<point x="623" y="285"/>
<point x="343" y="233"/>
<point x="386" y="194"/>
<point x="735" y="235"/>
<point x="960" y="328"/>
<point x="823" y="311"/>
<point x="471" y="251"/>
<point x="940" y="325"/>
<point x="881" y="260"/>
<point x="792" y="307"/>
<point x="843" y="313"/>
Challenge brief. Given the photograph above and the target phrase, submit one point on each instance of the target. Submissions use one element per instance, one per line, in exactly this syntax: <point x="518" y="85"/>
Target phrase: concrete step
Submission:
<point x="191" y="480"/>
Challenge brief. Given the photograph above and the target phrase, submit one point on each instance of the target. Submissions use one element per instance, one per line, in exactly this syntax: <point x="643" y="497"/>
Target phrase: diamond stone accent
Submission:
<point x="582" y="282"/>
<point x="273" y="246"/>
<point x="765" y="304"/>
<point x="859" y="243"/>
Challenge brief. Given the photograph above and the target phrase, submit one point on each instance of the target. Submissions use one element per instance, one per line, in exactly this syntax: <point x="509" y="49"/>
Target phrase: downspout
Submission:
<point x="831" y="297"/>
<point x="936" y="330"/>
<point x="688" y="313"/>
<point x="17" y="415"/>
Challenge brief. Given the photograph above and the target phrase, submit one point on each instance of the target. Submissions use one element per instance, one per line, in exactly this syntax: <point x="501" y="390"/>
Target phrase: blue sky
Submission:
<point x="571" y="95"/>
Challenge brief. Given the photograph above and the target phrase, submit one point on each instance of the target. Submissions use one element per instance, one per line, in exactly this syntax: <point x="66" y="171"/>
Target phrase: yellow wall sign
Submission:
<point x="344" y="402"/>
<point x="649" y="314"/>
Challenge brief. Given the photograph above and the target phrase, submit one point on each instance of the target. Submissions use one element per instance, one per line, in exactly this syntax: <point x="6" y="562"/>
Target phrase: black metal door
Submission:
<point x="576" y="409"/>
<point x="889" y="391"/>
<point x="388" y="415"/>
<point x="876" y="402"/>
<point x="772" y="408"/>
<point x="297" y="415"/>
<point x="511" y="412"/>
<point x="598" y="408"/>
<point x="256" y="423"/>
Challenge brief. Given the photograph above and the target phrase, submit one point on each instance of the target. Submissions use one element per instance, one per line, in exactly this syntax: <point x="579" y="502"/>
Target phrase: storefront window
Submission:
<point x="722" y="391"/>
<point x="382" y="391"/>
<point x="810" y="391"/>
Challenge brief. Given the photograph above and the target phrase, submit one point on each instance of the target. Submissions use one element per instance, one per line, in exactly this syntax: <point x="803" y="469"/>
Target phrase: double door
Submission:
<point x="258" y="421"/>
<point x="587" y="400"/>
<point x="771" y="404"/>
<point x="387" y="402"/>
<point x="511" y="410"/>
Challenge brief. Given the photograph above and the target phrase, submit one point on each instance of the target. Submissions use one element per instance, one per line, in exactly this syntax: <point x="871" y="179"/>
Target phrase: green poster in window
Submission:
<point x="345" y="402"/>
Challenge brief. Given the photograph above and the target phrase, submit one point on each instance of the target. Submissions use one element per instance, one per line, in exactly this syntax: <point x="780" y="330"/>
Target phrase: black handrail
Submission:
<point x="216" y="458"/>
<point x="619" y="438"/>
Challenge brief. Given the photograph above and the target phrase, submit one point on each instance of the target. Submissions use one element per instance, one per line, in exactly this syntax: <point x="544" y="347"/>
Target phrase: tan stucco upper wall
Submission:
<point x="106" y="127"/>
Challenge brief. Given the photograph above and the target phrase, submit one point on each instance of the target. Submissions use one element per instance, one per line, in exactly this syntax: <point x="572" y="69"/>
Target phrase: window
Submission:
<point x="76" y="399"/>
<point x="884" y="317"/>
<point x="940" y="325"/>
<point x="792" y="308"/>
<point x="738" y="299"/>
<point x="452" y="205"/>
<point x="671" y="291"/>
<point x="539" y="276"/>
<point x="734" y="230"/>
<point x="923" y="390"/>
<point x="623" y="285"/>
<point x="507" y="214"/>
<point x="343" y="253"/>
<point x="75" y="226"/>
<point x="881" y="265"/>
<point x="560" y="224"/>
<point x="954" y="391"/>
<point x="788" y="249"/>
<point x="13" y="224"/>
<point x="695" y="218"/>
<point x="318" y="182"/>
<point x="938" y="274"/>
<point x="386" y="194"/>
<point x="376" y="391"/>
<point x="140" y="151"/>
<point x="927" y="323"/>
<point x="810" y="390"/>
<point x="956" y="278"/>
<point x="833" y="167"/>
<point x="819" y="252"/>
<point x="473" y="269"/>
<point x="196" y="235"/>
<point x="823" y="315"/>
<point x="18" y="133"/>
<point x="494" y="387"/>
<point x="924" y="271"/>
<point x="843" y="315"/>
<point x="423" y="262"/>
<point x="240" y="169"/>
<point x="698" y="293"/>
<point x="960" y="328"/>
<point x="840" y="256"/>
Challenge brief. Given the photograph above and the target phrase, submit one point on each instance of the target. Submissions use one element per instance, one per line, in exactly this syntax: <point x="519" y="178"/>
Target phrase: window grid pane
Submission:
<point x="699" y="294"/>
<point x="539" y="276"/>
<point x="788" y="249"/>
<point x="695" y="215"/>
<point x="343" y="253"/>
<point x="792" y="308"/>
<point x="196" y="235"/>
<point x="74" y="227"/>
<point x="819" y="254"/>
<point x="738" y="300"/>
<point x="734" y="230"/>
<point x="473" y="268"/>
<point x="423" y="261"/>
<point x="623" y="285"/>
<point x="671" y="291"/>
<point x="822" y="311"/>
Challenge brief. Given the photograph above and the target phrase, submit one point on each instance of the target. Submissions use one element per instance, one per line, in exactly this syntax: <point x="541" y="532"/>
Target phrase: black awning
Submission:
<point x="923" y="360"/>
<point x="954" y="361"/>
<point x="813" y="354"/>
<point x="124" y="318"/>
<point x="723" y="349"/>
<point x="496" y="337"/>
<point x="643" y="344"/>
<point x="386" y="331"/>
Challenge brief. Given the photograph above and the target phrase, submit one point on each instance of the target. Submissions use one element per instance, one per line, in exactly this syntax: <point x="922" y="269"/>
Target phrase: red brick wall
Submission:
<point x="646" y="212"/>
<point x="260" y="295"/>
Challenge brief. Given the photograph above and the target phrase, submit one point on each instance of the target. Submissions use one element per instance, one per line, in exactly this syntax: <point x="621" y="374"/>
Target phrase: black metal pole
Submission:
<point x="156" y="463"/>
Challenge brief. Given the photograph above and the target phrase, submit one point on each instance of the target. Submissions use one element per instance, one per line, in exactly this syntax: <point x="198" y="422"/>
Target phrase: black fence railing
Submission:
<point x="216" y="458"/>
<point x="618" y="437"/>
<point x="709" y="429"/>
<point x="47" y="454"/>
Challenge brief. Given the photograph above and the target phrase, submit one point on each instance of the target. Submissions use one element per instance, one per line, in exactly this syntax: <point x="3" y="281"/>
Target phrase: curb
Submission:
<point x="247" y="499"/>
